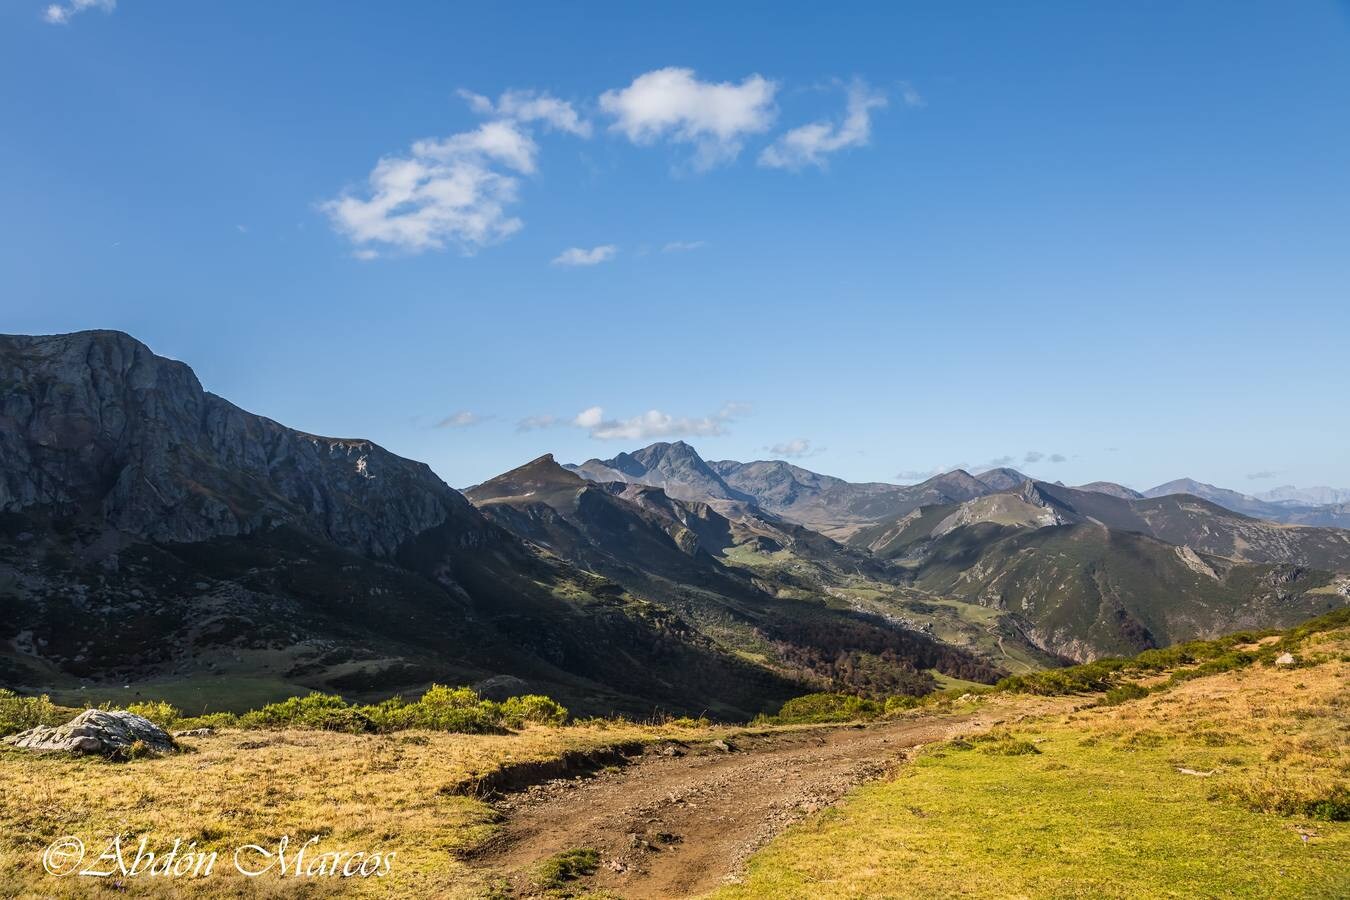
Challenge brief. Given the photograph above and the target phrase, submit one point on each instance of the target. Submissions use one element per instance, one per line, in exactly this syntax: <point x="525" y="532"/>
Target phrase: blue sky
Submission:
<point x="890" y="240"/>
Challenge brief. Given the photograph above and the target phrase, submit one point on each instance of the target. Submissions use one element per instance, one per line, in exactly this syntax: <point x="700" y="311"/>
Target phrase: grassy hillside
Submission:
<point x="1084" y="591"/>
<point x="1229" y="785"/>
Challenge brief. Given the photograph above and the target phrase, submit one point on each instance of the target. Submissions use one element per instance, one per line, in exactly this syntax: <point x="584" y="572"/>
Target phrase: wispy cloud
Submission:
<point x="1262" y="475"/>
<point x="454" y="190"/>
<point x="657" y="424"/>
<point x="910" y="96"/>
<point x="535" y="423"/>
<point x="683" y="246"/>
<point x="62" y="13"/>
<point x="798" y="448"/>
<point x="1031" y="457"/>
<point x="673" y="104"/>
<point x="462" y="419"/>
<point x="531" y="106"/>
<point x="811" y="145"/>
<point x="578" y="256"/>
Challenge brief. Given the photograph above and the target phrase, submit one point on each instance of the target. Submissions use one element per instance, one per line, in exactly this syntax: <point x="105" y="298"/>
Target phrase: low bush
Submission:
<point x="825" y="707"/>
<point x="441" y="708"/>
<point x="1123" y="693"/>
<point x="22" y="713"/>
<point x="162" y="714"/>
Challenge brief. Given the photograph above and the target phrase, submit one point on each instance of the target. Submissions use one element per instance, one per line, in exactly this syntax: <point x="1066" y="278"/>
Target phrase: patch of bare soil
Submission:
<point x="679" y="820"/>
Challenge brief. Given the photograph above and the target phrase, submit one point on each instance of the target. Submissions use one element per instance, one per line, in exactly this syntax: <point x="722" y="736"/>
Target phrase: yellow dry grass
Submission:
<point x="355" y="792"/>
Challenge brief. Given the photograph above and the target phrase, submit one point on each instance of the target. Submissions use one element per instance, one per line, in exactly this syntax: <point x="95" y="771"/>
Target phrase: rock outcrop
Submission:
<point x="96" y="731"/>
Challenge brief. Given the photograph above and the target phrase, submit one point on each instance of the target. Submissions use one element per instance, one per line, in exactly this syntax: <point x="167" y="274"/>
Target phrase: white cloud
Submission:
<point x="682" y="246"/>
<point x="809" y="145"/>
<point x="657" y="424"/>
<point x="589" y="417"/>
<point x="461" y="419"/>
<point x="531" y="106"/>
<point x="454" y="190"/>
<point x="58" y="14"/>
<point x="672" y="103"/>
<point x="911" y="96"/>
<point x="444" y="193"/>
<point x="498" y="141"/>
<point x="576" y="256"/>
<point x="795" y="449"/>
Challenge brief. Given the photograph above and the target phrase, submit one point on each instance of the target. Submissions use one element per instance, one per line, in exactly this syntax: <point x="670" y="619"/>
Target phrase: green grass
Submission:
<point x="1067" y="822"/>
<point x="556" y="871"/>
<point x="1094" y="803"/>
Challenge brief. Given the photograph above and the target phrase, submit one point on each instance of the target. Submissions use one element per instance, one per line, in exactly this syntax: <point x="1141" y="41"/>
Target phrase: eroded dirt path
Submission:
<point x="680" y="820"/>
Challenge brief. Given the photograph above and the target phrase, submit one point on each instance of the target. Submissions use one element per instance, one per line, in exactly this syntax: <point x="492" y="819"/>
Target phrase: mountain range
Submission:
<point x="151" y="531"/>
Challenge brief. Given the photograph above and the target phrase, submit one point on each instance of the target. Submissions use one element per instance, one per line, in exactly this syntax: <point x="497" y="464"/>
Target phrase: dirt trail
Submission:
<point x="680" y="819"/>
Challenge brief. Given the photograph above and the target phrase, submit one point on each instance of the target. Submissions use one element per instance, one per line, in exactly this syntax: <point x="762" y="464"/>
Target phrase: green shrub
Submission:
<point x="825" y="707"/>
<point x="536" y="709"/>
<point x="22" y="713"/>
<point x="900" y="702"/>
<point x="441" y="708"/>
<point x="326" y="712"/>
<point x="1124" y="692"/>
<point x="157" y="711"/>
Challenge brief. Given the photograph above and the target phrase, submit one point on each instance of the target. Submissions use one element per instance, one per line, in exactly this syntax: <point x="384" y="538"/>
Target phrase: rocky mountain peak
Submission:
<point x="95" y="423"/>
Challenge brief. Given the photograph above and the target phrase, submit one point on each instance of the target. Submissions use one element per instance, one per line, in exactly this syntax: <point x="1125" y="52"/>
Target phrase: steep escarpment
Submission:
<point x="96" y="422"/>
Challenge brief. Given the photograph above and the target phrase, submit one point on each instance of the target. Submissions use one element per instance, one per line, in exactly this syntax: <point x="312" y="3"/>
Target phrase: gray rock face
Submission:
<point x="95" y="731"/>
<point x="96" y="421"/>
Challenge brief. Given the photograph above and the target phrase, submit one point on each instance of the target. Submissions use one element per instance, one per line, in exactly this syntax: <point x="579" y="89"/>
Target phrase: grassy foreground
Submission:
<point x="399" y="792"/>
<point x="1096" y="803"/>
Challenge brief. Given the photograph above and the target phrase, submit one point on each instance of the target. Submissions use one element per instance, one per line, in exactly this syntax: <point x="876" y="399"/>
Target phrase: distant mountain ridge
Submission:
<point x="839" y="508"/>
<point x="1078" y="571"/>
<point x="1293" y="512"/>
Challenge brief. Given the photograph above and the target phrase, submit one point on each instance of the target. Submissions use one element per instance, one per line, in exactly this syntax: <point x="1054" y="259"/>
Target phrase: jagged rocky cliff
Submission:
<point x="95" y="421"/>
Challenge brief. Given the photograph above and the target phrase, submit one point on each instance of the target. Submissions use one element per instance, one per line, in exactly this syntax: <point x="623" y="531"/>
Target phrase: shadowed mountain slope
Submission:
<point x="689" y="557"/>
<point x="150" y="529"/>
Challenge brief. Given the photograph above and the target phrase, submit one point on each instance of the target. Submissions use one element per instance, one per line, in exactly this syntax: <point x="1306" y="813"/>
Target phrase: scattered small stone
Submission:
<point x="195" y="732"/>
<point x="722" y="745"/>
<point x="1185" y="771"/>
<point x="1285" y="659"/>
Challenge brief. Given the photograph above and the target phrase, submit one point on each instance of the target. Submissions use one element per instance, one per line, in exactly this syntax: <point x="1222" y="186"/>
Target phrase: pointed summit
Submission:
<point x="538" y="477"/>
<point x="676" y="467"/>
